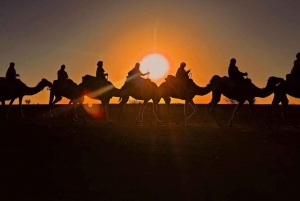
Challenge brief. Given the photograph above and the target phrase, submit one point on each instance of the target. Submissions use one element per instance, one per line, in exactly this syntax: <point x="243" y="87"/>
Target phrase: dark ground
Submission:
<point x="46" y="158"/>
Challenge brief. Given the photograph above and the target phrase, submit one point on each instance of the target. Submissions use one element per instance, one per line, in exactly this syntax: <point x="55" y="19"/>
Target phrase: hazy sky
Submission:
<point x="40" y="36"/>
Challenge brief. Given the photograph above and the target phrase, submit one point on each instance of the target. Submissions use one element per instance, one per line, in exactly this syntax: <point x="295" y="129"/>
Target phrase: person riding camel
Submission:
<point x="11" y="76"/>
<point x="100" y="73"/>
<point x="135" y="76"/>
<point x="62" y="77"/>
<point x="62" y="74"/>
<point x="234" y="74"/>
<point x="295" y="72"/>
<point x="183" y="75"/>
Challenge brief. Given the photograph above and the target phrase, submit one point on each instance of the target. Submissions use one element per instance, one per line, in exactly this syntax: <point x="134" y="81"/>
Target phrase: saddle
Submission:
<point x="63" y="85"/>
<point x="138" y="84"/>
<point x="9" y="86"/>
<point x="291" y="80"/>
<point x="94" y="81"/>
<point x="234" y="84"/>
<point x="177" y="85"/>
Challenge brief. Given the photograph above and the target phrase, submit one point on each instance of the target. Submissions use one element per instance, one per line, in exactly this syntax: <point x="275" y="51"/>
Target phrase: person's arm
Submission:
<point x="241" y="73"/>
<point x="145" y="73"/>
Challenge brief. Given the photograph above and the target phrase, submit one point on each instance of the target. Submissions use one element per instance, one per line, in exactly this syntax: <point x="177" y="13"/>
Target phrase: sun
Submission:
<point x="156" y="64"/>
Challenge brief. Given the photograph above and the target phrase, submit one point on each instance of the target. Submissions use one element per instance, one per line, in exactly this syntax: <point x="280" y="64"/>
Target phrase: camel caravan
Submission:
<point x="180" y="86"/>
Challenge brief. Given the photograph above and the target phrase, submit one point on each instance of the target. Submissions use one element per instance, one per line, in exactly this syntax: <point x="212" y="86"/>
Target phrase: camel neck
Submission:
<point x="202" y="90"/>
<point x="266" y="91"/>
<point x="33" y="90"/>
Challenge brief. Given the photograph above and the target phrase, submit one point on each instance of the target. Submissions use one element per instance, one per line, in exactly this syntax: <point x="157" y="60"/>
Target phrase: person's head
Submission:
<point x="182" y="65"/>
<point x="137" y="65"/>
<point x="232" y="61"/>
<point x="63" y="67"/>
<point x="100" y="63"/>
<point x="298" y="55"/>
<point x="12" y="64"/>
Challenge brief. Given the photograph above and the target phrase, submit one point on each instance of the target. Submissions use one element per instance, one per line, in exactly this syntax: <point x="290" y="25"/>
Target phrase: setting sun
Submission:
<point x="156" y="64"/>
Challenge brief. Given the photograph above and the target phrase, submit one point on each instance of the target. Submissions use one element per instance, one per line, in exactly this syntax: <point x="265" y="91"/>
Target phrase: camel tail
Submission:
<point x="120" y="99"/>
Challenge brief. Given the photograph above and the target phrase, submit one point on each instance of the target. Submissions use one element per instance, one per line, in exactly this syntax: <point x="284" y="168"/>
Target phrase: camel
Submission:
<point x="280" y="95"/>
<point x="20" y="91"/>
<point x="70" y="91"/>
<point x="93" y="88"/>
<point x="146" y="90"/>
<point x="169" y="89"/>
<point x="246" y="92"/>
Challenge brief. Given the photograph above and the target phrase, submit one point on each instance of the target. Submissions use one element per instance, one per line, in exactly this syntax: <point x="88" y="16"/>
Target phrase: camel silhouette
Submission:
<point x="171" y="89"/>
<point x="280" y="95"/>
<point x="20" y="91"/>
<point x="246" y="91"/>
<point x="71" y="91"/>
<point x="146" y="91"/>
<point x="92" y="87"/>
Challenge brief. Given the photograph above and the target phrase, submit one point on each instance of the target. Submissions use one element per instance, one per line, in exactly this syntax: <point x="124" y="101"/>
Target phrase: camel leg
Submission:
<point x="9" y="107"/>
<point x="68" y="108"/>
<point x="239" y="105"/>
<point x="195" y="109"/>
<point x="186" y="105"/>
<point x="285" y="102"/>
<point x="251" y="105"/>
<point x="20" y="105"/>
<point x="216" y="97"/>
<point x="141" y="112"/>
<point x="275" y="102"/>
<point x="52" y="109"/>
<point x="121" y="107"/>
<point x="154" y="110"/>
<point x="105" y="104"/>
<point x="167" y="100"/>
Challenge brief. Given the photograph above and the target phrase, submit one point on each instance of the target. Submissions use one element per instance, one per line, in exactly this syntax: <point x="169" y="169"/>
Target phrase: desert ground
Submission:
<point x="48" y="158"/>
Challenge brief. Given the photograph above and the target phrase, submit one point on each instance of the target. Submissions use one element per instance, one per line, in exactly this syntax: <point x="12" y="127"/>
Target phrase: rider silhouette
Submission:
<point x="234" y="73"/>
<point x="182" y="74"/>
<point x="100" y="73"/>
<point x="11" y="73"/>
<point x="135" y="74"/>
<point x="62" y="74"/>
<point x="11" y="76"/>
<point x="296" y="69"/>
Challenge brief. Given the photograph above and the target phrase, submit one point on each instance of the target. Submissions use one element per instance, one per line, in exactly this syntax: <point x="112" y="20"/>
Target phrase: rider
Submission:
<point x="100" y="73"/>
<point x="296" y="69"/>
<point x="234" y="73"/>
<point x="182" y="74"/>
<point x="11" y="75"/>
<point x="135" y="74"/>
<point x="62" y="74"/>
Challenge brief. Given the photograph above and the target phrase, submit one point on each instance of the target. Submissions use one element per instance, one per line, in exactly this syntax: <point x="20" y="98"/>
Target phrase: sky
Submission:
<point x="41" y="35"/>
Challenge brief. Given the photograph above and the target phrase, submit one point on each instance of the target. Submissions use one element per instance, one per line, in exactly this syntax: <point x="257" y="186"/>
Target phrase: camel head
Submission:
<point x="273" y="81"/>
<point x="45" y="83"/>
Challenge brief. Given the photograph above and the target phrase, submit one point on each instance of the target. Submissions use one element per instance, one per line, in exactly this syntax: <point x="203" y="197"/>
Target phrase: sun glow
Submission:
<point x="156" y="64"/>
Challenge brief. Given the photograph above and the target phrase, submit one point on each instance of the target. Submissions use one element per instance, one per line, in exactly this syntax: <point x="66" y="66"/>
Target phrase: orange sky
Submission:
<point x="41" y="36"/>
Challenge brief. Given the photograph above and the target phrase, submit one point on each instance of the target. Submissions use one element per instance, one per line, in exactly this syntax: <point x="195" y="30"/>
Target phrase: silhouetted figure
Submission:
<point x="135" y="77"/>
<point x="136" y="73"/>
<point x="62" y="74"/>
<point x="100" y="73"/>
<point x="182" y="74"/>
<point x="11" y="74"/>
<point x="234" y="73"/>
<point x="296" y="69"/>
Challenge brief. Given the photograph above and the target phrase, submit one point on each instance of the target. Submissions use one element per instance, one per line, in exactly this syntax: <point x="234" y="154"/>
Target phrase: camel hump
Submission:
<point x="89" y="78"/>
<point x="5" y="83"/>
